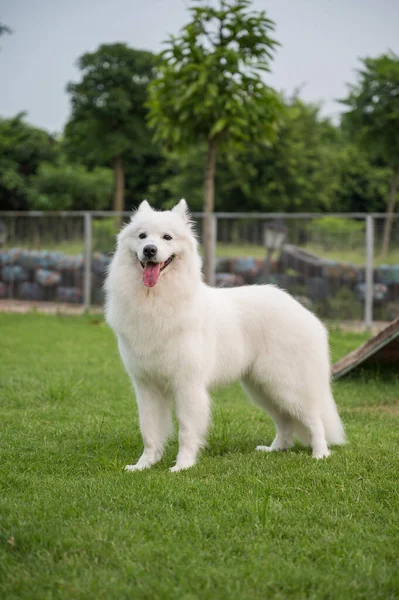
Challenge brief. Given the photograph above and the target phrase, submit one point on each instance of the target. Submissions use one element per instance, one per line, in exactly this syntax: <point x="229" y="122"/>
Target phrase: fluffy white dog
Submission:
<point x="178" y="338"/>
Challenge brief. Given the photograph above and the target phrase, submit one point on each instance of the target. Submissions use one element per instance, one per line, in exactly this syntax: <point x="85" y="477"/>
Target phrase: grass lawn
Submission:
<point x="239" y="525"/>
<point x="356" y="256"/>
<point x="353" y="255"/>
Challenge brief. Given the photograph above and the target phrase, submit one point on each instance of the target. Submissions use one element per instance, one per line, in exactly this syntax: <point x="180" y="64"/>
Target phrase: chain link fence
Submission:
<point x="331" y="263"/>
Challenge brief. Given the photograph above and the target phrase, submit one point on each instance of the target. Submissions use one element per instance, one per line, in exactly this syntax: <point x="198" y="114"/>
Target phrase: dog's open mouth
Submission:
<point x="152" y="270"/>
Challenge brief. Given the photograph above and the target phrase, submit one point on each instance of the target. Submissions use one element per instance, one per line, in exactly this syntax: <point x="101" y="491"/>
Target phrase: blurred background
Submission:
<point x="277" y="120"/>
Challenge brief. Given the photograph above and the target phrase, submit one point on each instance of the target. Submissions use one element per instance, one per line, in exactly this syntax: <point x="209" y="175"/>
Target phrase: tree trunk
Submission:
<point x="390" y="211"/>
<point x="119" y="186"/>
<point x="208" y="229"/>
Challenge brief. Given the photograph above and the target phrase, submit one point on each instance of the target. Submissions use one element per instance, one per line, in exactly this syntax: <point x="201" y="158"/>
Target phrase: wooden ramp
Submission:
<point x="381" y="349"/>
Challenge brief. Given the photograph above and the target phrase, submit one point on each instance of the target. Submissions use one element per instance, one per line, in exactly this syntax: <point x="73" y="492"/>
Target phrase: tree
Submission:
<point x="108" y="114"/>
<point x="298" y="171"/>
<point x="179" y="173"/>
<point x="362" y="182"/>
<point x="373" y="117"/>
<point x="209" y="87"/>
<point x="311" y="166"/>
<point x="22" y="149"/>
<point x="70" y="187"/>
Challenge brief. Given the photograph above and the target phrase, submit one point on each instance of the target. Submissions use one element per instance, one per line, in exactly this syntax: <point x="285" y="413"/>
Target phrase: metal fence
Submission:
<point x="331" y="262"/>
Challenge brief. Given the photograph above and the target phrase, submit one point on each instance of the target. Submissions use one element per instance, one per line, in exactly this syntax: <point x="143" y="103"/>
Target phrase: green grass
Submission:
<point x="353" y="255"/>
<point x="356" y="256"/>
<point x="240" y="250"/>
<point x="71" y="248"/>
<point x="239" y="525"/>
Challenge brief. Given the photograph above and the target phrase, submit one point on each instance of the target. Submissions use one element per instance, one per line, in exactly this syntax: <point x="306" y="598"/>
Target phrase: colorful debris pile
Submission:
<point x="333" y="289"/>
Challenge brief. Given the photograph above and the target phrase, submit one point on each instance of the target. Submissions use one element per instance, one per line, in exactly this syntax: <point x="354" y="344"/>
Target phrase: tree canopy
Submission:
<point x="298" y="170"/>
<point x="210" y="88"/>
<point x="108" y="112"/>
<point x="373" y="107"/>
<point x="373" y="118"/>
<point x="67" y="186"/>
<point x="208" y="103"/>
<point x="22" y="149"/>
<point x="312" y="165"/>
<point x="35" y="174"/>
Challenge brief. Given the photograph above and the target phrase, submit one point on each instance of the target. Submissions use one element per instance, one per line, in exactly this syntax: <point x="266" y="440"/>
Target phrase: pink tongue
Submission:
<point x="151" y="274"/>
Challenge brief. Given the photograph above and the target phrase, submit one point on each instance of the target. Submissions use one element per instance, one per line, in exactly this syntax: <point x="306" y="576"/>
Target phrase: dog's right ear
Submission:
<point x="182" y="209"/>
<point x="143" y="207"/>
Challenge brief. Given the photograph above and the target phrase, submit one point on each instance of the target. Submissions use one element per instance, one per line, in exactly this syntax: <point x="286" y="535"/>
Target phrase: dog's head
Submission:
<point x="159" y="242"/>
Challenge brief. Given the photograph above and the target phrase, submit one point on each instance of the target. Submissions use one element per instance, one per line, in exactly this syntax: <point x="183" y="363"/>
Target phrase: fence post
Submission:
<point x="87" y="262"/>
<point x="368" y="300"/>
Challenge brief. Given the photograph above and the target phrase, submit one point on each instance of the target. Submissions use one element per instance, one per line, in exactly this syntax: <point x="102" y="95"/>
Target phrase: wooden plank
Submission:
<point x="384" y="347"/>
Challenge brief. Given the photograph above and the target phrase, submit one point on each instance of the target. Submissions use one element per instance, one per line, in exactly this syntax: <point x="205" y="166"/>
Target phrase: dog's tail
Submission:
<point x="333" y="427"/>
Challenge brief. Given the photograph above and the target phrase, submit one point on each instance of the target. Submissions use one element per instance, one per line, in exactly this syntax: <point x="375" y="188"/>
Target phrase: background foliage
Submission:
<point x="311" y="163"/>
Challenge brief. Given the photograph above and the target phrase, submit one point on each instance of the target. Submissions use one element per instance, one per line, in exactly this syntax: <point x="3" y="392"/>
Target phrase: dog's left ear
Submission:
<point x="182" y="209"/>
<point x="143" y="207"/>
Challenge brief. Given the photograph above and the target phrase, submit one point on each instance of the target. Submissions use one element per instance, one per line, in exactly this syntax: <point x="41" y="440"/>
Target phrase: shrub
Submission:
<point x="104" y="235"/>
<point x="332" y="232"/>
<point x="345" y="305"/>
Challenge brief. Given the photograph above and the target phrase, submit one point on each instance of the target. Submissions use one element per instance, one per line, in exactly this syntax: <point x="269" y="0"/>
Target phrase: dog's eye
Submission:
<point x="142" y="236"/>
<point x="167" y="237"/>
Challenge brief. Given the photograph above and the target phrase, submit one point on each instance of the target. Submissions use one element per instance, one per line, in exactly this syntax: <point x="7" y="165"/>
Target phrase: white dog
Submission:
<point x="178" y="338"/>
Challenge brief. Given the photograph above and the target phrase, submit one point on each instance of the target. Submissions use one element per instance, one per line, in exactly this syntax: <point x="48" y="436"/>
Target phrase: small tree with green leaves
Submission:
<point x="373" y="117"/>
<point x="209" y="87"/>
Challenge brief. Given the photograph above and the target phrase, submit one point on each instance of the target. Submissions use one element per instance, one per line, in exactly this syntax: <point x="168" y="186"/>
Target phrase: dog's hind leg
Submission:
<point x="284" y="434"/>
<point x="315" y="427"/>
<point x="284" y="423"/>
<point x="155" y="413"/>
<point x="193" y="413"/>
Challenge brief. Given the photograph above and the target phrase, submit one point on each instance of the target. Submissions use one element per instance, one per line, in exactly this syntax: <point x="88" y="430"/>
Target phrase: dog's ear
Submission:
<point x="143" y="207"/>
<point x="182" y="209"/>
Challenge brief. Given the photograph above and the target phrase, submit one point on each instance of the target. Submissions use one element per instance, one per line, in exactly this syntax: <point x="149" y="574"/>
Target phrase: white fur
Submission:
<point x="180" y="338"/>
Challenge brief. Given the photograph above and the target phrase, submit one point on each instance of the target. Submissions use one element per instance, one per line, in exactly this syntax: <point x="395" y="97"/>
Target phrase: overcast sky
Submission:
<point x="321" y="41"/>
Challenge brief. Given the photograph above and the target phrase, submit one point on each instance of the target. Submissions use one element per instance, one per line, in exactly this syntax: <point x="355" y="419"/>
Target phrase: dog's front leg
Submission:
<point x="193" y="412"/>
<point x="155" y="415"/>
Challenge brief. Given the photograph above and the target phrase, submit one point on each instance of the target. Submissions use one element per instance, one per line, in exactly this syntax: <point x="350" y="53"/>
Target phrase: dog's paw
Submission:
<point x="322" y="454"/>
<point x="181" y="467"/>
<point x="265" y="448"/>
<point x="136" y="467"/>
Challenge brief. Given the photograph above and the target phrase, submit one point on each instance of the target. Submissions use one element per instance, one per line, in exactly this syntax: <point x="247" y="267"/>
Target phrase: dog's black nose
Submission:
<point x="150" y="251"/>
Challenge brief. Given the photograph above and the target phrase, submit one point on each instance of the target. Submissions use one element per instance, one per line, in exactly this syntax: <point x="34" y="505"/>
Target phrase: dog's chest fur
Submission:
<point x="154" y="344"/>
